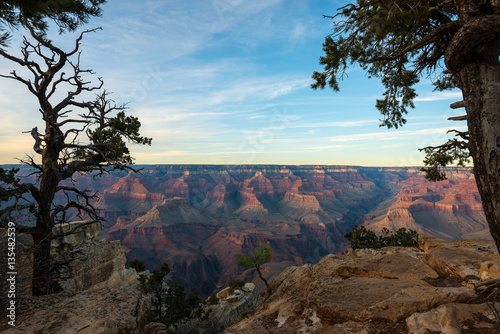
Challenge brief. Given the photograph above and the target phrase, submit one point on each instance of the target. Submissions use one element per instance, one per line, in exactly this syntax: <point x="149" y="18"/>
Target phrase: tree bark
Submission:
<point x="473" y="57"/>
<point x="269" y="291"/>
<point x="45" y="222"/>
<point x="481" y="88"/>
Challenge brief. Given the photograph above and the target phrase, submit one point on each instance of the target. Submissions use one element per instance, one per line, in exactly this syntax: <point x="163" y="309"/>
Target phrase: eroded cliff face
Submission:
<point x="448" y="209"/>
<point x="99" y="295"/>
<point x="197" y="218"/>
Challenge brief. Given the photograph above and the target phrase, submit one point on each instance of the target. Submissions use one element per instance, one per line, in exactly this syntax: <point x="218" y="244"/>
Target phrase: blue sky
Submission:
<point x="228" y="82"/>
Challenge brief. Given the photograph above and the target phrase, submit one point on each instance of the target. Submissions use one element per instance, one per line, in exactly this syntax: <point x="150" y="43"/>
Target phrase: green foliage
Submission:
<point x="235" y="285"/>
<point x="397" y="42"/>
<point x="262" y="255"/>
<point x="138" y="265"/>
<point x="111" y="132"/>
<point x="67" y="14"/>
<point x="6" y="177"/>
<point x="171" y="306"/>
<point x="360" y="238"/>
<point x="213" y="300"/>
<point x="441" y="156"/>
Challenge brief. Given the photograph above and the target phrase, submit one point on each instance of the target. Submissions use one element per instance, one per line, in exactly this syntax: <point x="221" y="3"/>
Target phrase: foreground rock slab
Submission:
<point x="111" y="310"/>
<point x="391" y="290"/>
<point x="232" y="308"/>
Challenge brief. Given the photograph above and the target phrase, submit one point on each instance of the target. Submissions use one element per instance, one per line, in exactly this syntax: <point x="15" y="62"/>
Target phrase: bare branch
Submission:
<point x="459" y="104"/>
<point x="77" y="46"/>
<point x="38" y="141"/>
<point x="458" y="118"/>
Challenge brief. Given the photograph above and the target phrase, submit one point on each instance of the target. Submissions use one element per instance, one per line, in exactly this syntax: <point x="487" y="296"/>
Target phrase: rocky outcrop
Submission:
<point x="82" y="261"/>
<point x="233" y="307"/>
<point x="99" y="294"/>
<point x="436" y="287"/>
<point x="111" y="310"/>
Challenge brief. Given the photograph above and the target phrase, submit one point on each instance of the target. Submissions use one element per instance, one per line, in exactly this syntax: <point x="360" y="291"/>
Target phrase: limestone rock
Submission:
<point x="349" y="327"/>
<point x="155" y="328"/>
<point x="417" y="299"/>
<point x="232" y="308"/>
<point x="85" y="230"/>
<point x="452" y="319"/>
<point x="85" y="262"/>
<point x="489" y="270"/>
<point x="118" y="309"/>
<point x="374" y="291"/>
<point x="459" y="259"/>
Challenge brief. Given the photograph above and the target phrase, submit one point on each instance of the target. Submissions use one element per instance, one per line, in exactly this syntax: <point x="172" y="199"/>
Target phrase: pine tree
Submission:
<point x="456" y="43"/>
<point x="79" y="136"/>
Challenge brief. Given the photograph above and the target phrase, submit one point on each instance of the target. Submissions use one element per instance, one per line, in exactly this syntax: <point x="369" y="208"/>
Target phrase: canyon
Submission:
<point x="197" y="218"/>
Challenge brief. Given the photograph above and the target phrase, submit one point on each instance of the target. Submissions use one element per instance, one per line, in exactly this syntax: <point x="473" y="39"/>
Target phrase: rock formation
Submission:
<point x="196" y="218"/>
<point x="437" y="287"/>
<point x="233" y="307"/>
<point x="82" y="261"/>
<point x="113" y="310"/>
<point x="99" y="294"/>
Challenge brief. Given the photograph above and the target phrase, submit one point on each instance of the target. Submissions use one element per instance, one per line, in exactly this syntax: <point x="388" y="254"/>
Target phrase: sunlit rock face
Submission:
<point x="389" y="290"/>
<point x="197" y="218"/>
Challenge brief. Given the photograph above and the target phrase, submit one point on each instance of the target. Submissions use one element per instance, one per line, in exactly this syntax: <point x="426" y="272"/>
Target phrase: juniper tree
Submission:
<point x="78" y="136"/>
<point x="454" y="42"/>
<point x="255" y="259"/>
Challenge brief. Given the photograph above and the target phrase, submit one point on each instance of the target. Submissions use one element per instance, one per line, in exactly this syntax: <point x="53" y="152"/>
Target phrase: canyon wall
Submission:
<point x="197" y="218"/>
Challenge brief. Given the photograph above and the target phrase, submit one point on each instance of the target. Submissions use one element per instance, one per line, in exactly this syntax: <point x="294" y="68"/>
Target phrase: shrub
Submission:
<point x="213" y="300"/>
<point x="235" y="285"/>
<point x="138" y="265"/>
<point x="360" y="238"/>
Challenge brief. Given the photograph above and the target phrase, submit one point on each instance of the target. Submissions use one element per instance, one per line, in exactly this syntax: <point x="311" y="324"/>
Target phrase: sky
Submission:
<point x="228" y="82"/>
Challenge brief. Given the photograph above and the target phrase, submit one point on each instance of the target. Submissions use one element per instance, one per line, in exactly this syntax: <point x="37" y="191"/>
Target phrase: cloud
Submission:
<point x="440" y="96"/>
<point x="339" y="124"/>
<point x="397" y="135"/>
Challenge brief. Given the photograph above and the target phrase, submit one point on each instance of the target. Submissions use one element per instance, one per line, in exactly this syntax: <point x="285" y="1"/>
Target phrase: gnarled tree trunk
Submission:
<point x="473" y="58"/>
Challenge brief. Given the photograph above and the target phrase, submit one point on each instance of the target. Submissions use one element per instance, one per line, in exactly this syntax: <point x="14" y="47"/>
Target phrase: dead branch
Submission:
<point x="459" y="104"/>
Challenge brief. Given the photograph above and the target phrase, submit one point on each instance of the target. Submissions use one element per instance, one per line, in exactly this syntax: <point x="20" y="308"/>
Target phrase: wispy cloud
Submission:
<point x="438" y="96"/>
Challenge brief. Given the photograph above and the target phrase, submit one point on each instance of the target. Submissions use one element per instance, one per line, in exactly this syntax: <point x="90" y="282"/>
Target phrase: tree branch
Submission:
<point x="429" y="38"/>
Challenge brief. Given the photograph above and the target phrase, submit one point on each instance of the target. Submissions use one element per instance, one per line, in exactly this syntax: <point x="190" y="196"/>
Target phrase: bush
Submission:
<point x="171" y="305"/>
<point x="213" y="300"/>
<point x="360" y="238"/>
<point x="138" y="265"/>
<point x="235" y="285"/>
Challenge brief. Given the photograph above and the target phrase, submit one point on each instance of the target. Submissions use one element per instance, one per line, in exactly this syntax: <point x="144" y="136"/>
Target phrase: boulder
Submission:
<point x="453" y="318"/>
<point x="232" y="308"/>
<point x="489" y="270"/>
<point x="459" y="259"/>
<point x="116" y="309"/>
